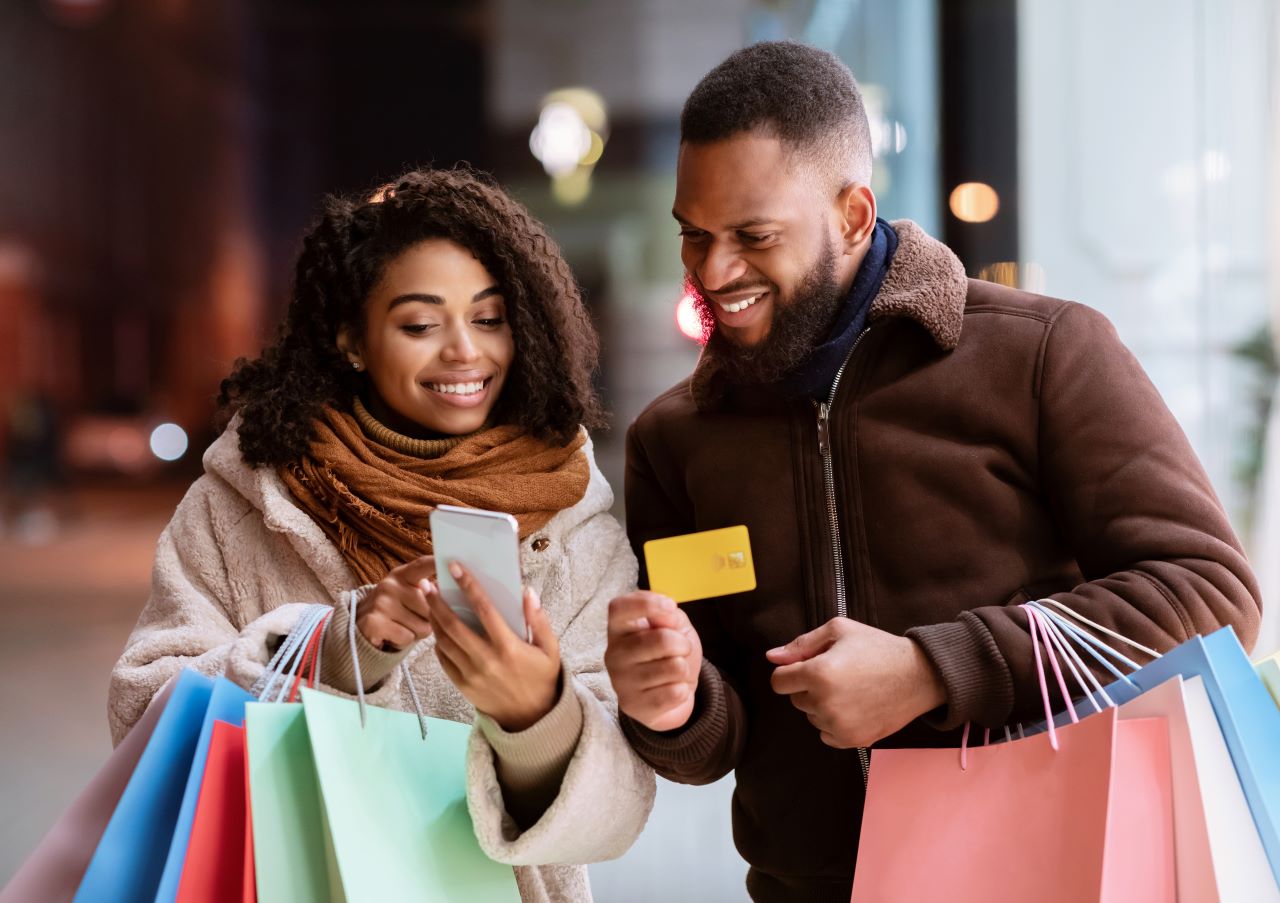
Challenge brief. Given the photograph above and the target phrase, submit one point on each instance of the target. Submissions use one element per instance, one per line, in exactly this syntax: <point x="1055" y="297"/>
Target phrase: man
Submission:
<point x="914" y="453"/>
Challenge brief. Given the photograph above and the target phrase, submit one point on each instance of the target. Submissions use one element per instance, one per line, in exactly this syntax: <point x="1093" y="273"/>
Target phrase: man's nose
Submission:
<point x="720" y="266"/>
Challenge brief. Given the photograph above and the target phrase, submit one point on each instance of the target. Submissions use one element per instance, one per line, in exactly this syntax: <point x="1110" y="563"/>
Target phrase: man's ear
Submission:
<point x="856" y="207"/>
<point x="350" y="348"/>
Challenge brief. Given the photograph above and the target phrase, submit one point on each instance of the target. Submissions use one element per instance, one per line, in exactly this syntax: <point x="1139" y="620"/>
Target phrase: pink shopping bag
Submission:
<point x="1089" y="820"/>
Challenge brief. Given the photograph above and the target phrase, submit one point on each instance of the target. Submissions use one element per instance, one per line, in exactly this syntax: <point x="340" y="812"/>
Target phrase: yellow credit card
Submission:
<point x="701" y="565"/>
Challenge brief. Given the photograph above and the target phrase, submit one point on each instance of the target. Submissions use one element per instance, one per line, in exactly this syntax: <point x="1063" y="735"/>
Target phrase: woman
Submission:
<point x="435" y="351"/>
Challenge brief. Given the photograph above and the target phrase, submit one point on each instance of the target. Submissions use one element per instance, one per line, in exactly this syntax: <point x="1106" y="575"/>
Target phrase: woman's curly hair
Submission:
<point x="549" y="390"/>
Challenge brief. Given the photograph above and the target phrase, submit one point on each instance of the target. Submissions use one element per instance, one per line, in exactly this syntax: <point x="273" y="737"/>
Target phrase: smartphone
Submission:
<point x="701" y="565"/>
<point x="487" y="543"/>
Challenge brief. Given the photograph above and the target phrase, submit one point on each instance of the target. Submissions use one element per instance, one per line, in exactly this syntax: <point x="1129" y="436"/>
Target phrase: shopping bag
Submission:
<point x="292" y="858"/>
<point x="1079" y="813"/>
<point x="129" y="860"/>
<point x="1248" y="717"/>
<point x="1194" y="869"/>
<point x="396" y="803"/>
<point x="249" y="882"/>
<point x="225" y="704"/>
<point x="1091" y="821"/>
<point x="1240" y="864"/>
<point x="1209" y="802"/>
<point x="214" y="867"/>
<point x="54" y="870"/>
<point x="1269" y="670"/>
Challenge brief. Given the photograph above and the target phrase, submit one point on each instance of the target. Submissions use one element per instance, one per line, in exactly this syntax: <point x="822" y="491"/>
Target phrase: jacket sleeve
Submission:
<point x="710" y="743"/>
<point x="607" y="791"/>
<point x="1158" y="555"/>
<point x="191" y="619"/>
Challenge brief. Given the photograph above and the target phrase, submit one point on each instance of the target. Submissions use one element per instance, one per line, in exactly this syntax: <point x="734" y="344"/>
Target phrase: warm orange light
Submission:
<point x="974" y="202"/>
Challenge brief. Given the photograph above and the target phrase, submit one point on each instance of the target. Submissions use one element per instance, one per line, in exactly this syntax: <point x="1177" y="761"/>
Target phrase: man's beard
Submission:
<point x="795" y="331"/>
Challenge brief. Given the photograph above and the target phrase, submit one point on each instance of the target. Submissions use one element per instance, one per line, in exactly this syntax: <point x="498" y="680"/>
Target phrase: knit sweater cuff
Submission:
<point x="336" y="668"/>
<point x="975" y="674"/>
<point x="698" y="738"/>
<point x="531" y="763"/>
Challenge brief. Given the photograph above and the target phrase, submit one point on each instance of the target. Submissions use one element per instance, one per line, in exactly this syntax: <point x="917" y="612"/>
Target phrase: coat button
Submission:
<point x="541" y="544"/>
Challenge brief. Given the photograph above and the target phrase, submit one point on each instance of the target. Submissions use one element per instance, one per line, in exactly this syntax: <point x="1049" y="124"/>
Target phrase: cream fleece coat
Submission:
<point x="239" y="560"/>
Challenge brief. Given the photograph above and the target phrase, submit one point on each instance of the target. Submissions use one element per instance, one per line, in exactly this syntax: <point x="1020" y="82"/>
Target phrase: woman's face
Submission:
<point x="437" y="343"/>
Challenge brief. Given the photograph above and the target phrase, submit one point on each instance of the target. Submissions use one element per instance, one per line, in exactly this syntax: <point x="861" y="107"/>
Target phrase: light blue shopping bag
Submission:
<point x="130" y="857"/>
<point x="226" y="704"/>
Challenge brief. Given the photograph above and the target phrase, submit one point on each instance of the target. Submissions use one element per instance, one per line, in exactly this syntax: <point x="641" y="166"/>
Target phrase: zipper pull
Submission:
<point x="824" y="429"/>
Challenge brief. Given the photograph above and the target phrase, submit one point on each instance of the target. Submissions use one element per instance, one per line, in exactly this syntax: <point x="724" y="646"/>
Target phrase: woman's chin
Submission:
<point x="453" y="421"/>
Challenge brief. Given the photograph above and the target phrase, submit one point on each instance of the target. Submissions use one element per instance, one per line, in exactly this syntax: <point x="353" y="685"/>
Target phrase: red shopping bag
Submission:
<point x="250" y="894"/>
<point x="215" y="865"/>
<point x="1083" y="813"/>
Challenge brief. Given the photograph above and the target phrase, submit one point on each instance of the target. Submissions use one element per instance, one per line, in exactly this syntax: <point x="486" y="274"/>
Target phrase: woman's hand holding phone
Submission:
<point x="512" y="681"/>
<point x="395" y="613"/>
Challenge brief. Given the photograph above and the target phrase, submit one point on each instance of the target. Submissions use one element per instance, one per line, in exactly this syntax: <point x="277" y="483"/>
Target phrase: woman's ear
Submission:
<point x="350" y="348"/>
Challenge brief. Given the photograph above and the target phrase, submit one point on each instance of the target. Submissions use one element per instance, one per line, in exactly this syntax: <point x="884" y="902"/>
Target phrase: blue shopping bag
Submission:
<point x="130" y="858"/>
<point x="225" y="704"/>
<point x="1249" y="719"/>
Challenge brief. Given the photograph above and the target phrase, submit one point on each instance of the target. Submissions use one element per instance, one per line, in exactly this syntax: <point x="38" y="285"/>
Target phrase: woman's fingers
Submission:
<point x="449" y="665"/>
<point x="447" y="624"/>
<point x="411" y="572"/>
<point x="541" y="633"/>
<point x="383" y="632"/>
<point x="495" y="626"/>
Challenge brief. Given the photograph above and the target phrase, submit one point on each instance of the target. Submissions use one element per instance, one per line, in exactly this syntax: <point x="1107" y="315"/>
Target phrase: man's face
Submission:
<point x="757" y="238"/>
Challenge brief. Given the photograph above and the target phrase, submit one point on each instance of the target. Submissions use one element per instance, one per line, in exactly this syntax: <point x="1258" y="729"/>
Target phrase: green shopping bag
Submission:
<point x="291" y="850"/>
<point x="395" y="793"/>
<point x="1269" y="670"/>
<point x="293" y="856"/>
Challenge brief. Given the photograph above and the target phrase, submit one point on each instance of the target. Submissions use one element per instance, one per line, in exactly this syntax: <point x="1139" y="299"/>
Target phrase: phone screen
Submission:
<point x="487" y="543"/>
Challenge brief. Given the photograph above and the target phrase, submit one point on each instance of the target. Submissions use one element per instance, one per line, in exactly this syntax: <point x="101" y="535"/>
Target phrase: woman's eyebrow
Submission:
<point x="422" y="298"/>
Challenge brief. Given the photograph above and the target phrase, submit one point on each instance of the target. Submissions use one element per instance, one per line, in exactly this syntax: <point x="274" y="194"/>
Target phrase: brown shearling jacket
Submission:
<point x="985" y="446"/>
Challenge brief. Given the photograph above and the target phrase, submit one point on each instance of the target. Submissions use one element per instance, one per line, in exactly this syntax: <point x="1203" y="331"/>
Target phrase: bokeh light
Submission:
<point x="168" y="442"/>
<point x="688" y="318"/>
<point x="974" y="202"/>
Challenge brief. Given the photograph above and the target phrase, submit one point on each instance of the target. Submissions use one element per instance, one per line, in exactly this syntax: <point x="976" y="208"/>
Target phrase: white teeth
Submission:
<point x="740" y="305"/>
<point x="456" y="388"/>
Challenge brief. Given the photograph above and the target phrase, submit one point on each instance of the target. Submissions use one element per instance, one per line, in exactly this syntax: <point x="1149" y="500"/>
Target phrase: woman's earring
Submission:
<point x="356" y="365"/>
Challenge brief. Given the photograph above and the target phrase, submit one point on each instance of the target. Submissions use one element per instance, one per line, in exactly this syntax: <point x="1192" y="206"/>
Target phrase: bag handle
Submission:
<point x="1079" y="670"/>
<point x="1064" y="609"/>
<point x="1038" y="631"/>
<point x="1092" y="645"/>
<point x="404" y="672"/>
<point x="291" y="651"/>
<point x="311" y="659"/>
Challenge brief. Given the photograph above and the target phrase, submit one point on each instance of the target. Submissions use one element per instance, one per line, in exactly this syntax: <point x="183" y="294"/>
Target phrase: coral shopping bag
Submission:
<point x="214" y="865"/>
<point x="1081" y="813"/>
<point x="54" y="870"/>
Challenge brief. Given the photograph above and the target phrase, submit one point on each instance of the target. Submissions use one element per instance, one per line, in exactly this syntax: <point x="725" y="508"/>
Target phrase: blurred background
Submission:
<point x="159" y="160"/>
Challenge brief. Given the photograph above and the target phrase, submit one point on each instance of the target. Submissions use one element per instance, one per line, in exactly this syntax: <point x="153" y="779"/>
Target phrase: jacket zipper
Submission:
<point x="829" y="477"/>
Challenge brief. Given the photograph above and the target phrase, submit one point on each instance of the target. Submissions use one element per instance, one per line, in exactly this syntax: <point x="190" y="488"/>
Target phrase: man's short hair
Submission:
<point x="803" y="96"/>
